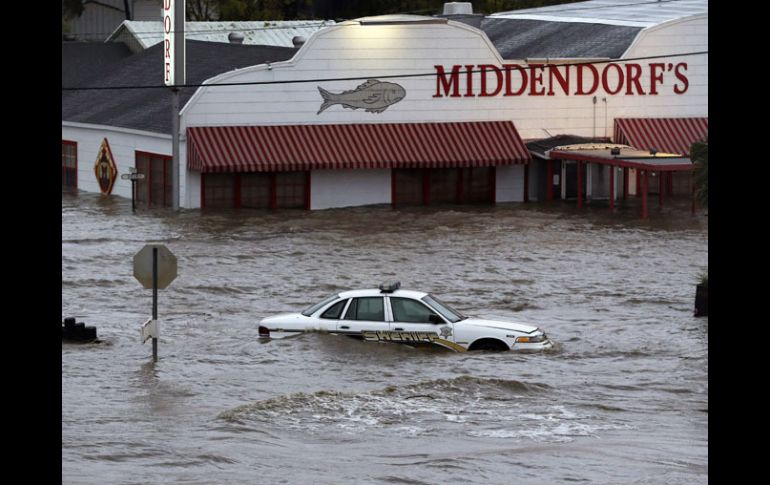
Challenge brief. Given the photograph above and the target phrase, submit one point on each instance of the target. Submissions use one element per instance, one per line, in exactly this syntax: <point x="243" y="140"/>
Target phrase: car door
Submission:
<point x="410" y="315"/>
<point x="366" y="313"/>
<point x="329" y="319"/>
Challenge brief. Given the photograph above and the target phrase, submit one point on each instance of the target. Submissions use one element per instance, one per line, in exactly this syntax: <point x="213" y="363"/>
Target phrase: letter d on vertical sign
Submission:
<point x="168" y="40"/>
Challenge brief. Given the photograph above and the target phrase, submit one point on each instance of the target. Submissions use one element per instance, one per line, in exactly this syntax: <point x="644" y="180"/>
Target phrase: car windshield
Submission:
<point x="312" y="309"/>
<point x="445" y="310"/>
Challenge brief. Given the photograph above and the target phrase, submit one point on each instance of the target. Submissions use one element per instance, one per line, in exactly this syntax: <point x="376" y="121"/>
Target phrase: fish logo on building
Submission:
<point x="373" y="96"/>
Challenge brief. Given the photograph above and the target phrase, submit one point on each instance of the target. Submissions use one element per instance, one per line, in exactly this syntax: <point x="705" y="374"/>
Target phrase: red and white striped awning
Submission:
<point x="669" y="135"/>
<point x="387" y="145"/>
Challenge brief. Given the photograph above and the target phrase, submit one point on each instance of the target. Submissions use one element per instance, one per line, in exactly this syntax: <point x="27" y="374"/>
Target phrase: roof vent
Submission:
<point x="298" y="41"/>
<point x="458" y="8"/>
<point x="235" y="38"/>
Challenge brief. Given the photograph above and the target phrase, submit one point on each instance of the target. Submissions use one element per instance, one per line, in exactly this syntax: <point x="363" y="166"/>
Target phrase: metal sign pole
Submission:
<point x="180" y="75"/>
<point x="133" y="176"/>
<point x="155" y="300"/>
<point x="155" y="268"/>
<point x="175" y="148"/>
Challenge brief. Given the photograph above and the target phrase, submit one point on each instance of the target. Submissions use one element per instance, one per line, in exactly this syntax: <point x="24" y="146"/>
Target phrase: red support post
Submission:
<point x="612" y="188"/>
<point x="580" y="185"/>
<point x="645" y="185"/>
<point x="549" y="180"/>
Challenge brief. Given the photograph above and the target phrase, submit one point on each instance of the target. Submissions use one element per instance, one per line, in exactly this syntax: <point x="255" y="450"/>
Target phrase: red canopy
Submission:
<point x="381" y="145"/>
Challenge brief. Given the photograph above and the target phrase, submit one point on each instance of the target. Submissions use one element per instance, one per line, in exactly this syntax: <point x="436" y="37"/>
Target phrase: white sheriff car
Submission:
<point x="390" y="314"/>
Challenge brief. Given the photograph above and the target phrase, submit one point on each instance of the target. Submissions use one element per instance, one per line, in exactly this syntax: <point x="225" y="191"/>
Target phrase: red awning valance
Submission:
<point x="385" y="145"/>
<point x="670" y="135"/>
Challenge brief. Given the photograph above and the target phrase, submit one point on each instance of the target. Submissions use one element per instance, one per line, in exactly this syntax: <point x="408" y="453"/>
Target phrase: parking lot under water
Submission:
<point x="623" y="397"/>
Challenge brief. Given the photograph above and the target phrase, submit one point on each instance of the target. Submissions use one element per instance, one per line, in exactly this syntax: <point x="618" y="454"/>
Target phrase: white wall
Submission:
<point x="342" y="188"/>
<point x="373" y="51"/>
<point x="123" y="143"/>
<point x="509" y="180"/>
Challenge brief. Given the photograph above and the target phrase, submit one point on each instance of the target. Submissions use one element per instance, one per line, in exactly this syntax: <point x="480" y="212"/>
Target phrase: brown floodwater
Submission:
<point x="623" y="397"/>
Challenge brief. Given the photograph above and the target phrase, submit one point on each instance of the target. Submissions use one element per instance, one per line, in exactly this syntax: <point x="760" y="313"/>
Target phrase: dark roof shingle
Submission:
<point x="537" y="39"/>
<point x="149" y="109"/>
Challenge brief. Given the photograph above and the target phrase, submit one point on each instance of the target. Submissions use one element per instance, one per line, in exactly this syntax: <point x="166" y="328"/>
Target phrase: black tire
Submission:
<point x="489" y="344"/>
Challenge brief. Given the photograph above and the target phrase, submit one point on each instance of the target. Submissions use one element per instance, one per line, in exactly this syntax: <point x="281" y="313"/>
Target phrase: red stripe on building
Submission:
<point x="385" y="145"/>
<point x="666" y="135"/>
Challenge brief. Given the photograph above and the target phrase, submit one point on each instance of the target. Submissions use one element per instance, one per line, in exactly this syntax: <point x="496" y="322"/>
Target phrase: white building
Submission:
<point x="406" y="109"/>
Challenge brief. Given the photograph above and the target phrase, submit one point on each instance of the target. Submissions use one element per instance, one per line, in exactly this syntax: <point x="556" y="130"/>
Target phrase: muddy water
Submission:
<point x="623" y="398"/>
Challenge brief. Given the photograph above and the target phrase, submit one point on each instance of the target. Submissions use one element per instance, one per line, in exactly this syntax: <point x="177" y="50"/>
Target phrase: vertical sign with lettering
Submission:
<point x="168" y="42"/>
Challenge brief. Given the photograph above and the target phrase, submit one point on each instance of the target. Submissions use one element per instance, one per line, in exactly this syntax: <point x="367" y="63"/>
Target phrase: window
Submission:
<point x="445" y="310"/>
<point x="219" y="190"/>
<point x="408" y="310"/>
<point x="443" y="186"/>
<point x="69" y="164"/>
<point x="256" y="190"/>
<point x="478" y="185"/>
<point x="369" y="308"/>
<point x="291" y="190"/>
<point x="408" y="186"/>
<point x="314" y="308"/>
<point x="335" y="311"/>
<point x="155" y="189"/>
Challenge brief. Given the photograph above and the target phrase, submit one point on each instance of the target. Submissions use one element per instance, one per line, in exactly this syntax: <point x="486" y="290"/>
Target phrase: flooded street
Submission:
<point x="622" y="398"/>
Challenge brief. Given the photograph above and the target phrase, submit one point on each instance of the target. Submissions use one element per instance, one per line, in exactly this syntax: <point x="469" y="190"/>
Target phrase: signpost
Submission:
<point x="174" y="73"/>
<point x="154" y="267"/>
<point x="133" y="176"/>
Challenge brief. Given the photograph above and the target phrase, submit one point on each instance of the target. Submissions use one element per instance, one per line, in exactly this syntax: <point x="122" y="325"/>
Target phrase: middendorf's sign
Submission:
<point x="173" y="41"/>
<point x="168" y="42"/>
<point x="550" y="80"/>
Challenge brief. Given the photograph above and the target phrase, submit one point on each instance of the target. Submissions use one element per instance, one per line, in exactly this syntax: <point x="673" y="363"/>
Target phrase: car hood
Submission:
<point x="498" y="324"/>
<point x="284" y="317"/>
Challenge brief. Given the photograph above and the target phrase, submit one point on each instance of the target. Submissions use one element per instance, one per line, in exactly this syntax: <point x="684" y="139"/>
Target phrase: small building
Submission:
<point x="414" y="110"/>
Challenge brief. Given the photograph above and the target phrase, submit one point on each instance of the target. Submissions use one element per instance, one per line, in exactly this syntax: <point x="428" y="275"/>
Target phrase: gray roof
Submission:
<point x="538" y="39"/>
<point x="149" y="109"/>
<point x="80" y="60"/>
<point x="634" y="13"/>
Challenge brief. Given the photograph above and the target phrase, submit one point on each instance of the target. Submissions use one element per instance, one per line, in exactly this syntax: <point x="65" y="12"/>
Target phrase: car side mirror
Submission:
<point x="433" y="318"/>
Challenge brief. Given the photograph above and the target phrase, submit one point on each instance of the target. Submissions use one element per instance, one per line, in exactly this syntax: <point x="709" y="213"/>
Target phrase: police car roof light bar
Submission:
<point x="390" y="287"/>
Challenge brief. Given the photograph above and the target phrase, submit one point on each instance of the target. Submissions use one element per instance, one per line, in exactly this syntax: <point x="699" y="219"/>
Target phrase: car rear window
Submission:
<point x="335" y="311"/>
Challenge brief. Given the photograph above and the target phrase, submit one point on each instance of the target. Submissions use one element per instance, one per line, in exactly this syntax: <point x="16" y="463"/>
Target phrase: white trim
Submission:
<point x="117" y="129"/>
